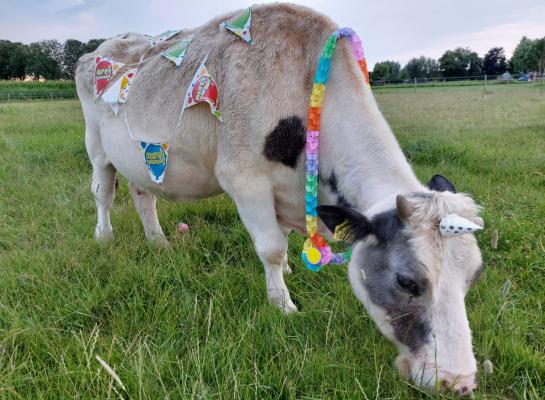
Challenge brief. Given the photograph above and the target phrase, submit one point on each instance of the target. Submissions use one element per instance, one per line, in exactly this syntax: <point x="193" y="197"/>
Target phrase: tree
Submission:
<point x="495" y="62"/>
<point x="460" y="62"/>
<point x="422" y="67"/>
<point x="526" y="56"/>
<point x="18" y="61"/>
<point x="386" y="70"/>
<point x="92" y="45"/>
<point x="72" y="50"/>
<point x="45" y="59"/>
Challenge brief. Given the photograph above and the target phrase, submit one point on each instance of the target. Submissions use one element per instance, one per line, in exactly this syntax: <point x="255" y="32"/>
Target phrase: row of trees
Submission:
<point x="49" y="59"/>
<point x="529" y="55"/>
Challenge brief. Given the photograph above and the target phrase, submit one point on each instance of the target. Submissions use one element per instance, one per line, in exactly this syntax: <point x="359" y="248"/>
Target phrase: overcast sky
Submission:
<point x="389" y="29"/>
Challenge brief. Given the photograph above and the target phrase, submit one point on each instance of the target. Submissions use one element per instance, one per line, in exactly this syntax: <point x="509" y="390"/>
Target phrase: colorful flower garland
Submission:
<point x="316" y="251"/>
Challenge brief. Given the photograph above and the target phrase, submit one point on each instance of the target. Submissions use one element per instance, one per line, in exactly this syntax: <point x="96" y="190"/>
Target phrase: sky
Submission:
<point x="389" y="29"/>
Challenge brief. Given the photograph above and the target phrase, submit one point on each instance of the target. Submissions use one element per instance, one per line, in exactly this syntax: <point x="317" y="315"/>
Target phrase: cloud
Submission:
<point x="504" y="35"/>
<point x="390" y="29"/>
<point x="79" y="6"/>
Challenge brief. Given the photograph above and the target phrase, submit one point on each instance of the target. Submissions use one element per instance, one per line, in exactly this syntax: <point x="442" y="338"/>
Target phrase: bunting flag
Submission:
<point x="111" y="96"/>
<point x="154" y="40"/>
<point x="126" y="82"/>
<point x="176" y="53"/>
<point x="105" y="69"/>
<point x="203" y="89"/>
<point x="240" y="25"/>
<point x="156" y="158"/>
<point x="118" y="91"/>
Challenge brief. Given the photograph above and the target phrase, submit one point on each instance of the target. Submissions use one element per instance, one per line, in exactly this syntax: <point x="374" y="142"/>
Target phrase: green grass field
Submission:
<point x="193" y="320"/>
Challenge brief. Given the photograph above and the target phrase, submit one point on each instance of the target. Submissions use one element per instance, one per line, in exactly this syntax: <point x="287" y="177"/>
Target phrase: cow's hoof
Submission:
<point x="159" y="241"/>
<point x="104" y="234"/>
<point x="288" y="308"/>
<point x="283" y="302"/>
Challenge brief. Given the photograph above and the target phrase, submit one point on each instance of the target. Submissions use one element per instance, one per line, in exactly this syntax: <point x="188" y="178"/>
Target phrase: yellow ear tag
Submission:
<point x="313" y="255"/>
<point x="343" y="232"/>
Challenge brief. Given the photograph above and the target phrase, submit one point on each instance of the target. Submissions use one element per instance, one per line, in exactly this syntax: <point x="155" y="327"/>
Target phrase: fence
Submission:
<point x="63" y="93"/>
<point x="36" y="95"/>
<point x="482" y="80"/>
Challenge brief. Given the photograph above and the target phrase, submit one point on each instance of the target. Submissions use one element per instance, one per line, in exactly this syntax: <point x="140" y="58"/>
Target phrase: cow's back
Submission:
<point x="258" y="86"/>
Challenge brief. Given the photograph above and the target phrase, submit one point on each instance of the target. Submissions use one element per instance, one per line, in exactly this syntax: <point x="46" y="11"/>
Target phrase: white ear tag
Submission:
<point x="454" y="225"/>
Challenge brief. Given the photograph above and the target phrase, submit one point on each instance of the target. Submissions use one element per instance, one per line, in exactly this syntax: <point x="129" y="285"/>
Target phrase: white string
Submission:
<point x="140" y="62"/>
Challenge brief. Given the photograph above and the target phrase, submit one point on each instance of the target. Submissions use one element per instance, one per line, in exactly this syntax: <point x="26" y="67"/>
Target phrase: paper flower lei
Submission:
<point x="316" y="251"/>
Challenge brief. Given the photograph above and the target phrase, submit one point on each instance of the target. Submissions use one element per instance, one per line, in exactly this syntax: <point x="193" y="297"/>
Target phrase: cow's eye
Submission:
<point x="408" y="285"/>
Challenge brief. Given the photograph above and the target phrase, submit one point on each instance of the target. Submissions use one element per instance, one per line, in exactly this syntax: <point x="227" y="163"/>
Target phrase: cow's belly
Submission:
<point x="190" y="170"/>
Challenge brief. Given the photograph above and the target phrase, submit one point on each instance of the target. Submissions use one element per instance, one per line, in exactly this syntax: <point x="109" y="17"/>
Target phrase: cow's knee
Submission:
<point x="271" y="249"/>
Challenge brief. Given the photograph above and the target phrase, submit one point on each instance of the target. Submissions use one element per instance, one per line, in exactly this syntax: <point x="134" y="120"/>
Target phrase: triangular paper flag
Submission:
<point x="156" y="158"/>
<point x="111" y="95"/>
<point x="105" y="69"/>
<point x="176" y="53"/>
<point x="153" y="40"/>
<point x="126" y="82"/>
<point x="203" y="89"/>
<point x="240" y="25"/>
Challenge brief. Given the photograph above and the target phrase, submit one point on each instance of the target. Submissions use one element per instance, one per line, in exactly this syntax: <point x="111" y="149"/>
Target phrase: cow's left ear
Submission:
<point x="348" y="225"/>
<point x="441" y="184"/>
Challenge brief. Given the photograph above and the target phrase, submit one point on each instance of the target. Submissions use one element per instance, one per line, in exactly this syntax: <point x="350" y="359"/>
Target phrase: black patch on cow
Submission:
<point x="386" y="225"/>
<point x="441" y="184"/>
<point x="384" y="264"/>
<point x="286" y="141"/>
<point x="334" y="186"/>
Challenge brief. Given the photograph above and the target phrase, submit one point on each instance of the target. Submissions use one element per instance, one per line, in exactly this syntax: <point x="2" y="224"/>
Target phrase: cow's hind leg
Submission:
<point x="285" y="266"/>
<point x="145" y="203"/>
<point x="255" y="204"/>
<point x="103" y="185"/>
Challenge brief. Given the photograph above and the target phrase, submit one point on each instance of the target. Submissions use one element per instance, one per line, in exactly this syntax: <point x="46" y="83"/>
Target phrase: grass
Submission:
<point x="193" y="320"/>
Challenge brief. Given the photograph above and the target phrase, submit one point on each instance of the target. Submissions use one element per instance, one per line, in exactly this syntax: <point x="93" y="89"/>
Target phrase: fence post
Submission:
<point x="9" y="98"/>
<point x="415" y="84"/>
<point x="485" y="79"/>
<point x="51" y="95"/>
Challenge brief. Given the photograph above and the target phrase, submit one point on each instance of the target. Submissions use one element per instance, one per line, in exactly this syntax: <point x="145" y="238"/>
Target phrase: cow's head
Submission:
<point x="412" y="272"/>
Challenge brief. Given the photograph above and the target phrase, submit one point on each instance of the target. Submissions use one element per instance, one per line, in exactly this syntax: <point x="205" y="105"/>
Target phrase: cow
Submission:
<point x="410" y="278"/>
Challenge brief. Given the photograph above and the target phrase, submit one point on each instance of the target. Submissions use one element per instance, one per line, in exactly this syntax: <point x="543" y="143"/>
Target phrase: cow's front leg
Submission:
<point x="145" y="204"/>
<point x="255" y="204"/>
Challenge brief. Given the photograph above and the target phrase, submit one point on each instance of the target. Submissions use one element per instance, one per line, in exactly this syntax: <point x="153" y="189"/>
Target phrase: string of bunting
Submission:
<point x="203" y="89"/>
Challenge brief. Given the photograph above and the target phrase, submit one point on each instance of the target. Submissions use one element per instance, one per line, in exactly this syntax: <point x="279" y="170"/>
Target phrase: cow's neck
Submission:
<point x="361" y="163"/>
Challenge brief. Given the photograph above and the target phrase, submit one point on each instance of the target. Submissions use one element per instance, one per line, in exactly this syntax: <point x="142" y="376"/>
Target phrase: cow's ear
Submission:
<point x="348" y="225"/>
<point x="441" y="184"/>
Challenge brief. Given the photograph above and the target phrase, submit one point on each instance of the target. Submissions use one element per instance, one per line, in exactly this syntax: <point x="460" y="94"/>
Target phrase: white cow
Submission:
<point x="411" y="279"/>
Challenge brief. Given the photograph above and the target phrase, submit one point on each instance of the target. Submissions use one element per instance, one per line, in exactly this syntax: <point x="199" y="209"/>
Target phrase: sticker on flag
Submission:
<point x="156" y="158"/>
<point x="203" y="89"/>
<point x="105" y="69"/>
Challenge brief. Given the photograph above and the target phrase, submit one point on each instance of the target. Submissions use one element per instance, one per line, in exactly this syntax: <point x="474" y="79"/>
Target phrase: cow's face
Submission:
<point x="413" y="278"/>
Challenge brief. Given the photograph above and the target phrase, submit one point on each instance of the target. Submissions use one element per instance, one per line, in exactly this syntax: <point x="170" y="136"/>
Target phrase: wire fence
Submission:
<point x="26" y="95"/>
<point x="482" y="80"/>
<point x="475" y="80"/>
